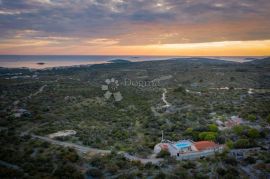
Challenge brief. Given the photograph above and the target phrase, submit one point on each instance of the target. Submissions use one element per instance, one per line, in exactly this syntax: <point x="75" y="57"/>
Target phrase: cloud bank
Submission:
<point x="96" y="23"/>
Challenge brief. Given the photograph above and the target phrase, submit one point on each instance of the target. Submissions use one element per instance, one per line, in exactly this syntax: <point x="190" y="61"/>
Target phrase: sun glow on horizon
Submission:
<point x="58" y="46"/>
<point x="225" y="48"/>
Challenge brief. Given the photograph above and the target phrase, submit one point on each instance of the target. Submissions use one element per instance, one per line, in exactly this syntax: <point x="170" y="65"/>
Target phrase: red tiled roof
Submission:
<point x="203" y="145"/>
<point x="164" y="146"/>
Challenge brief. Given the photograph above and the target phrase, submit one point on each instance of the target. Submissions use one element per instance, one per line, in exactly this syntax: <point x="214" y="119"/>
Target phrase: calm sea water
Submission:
<point x="31" y="61"/>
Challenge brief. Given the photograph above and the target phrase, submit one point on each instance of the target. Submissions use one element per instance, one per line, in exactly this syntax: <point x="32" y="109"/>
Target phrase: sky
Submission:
<point x="135" y="27"/>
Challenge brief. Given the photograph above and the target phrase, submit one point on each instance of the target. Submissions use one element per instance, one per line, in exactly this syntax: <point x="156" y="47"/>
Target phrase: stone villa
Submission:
<point x="187" y="149"/>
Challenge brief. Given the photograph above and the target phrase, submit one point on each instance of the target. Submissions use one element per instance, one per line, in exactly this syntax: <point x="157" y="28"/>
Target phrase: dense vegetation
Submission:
<point x="72" y="99"/>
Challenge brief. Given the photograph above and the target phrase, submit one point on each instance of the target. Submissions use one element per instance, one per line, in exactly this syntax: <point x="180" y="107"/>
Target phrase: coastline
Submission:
<point x="61" y="64"/>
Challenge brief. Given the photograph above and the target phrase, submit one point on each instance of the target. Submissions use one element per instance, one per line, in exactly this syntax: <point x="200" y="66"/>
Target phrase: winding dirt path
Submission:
<point x="79" y="148"/>
<point x="167" y="104"/>
<point x="85" y="149"/>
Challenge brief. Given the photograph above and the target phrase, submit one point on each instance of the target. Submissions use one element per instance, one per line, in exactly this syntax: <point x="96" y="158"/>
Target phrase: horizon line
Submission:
<point x="138" y="55"/>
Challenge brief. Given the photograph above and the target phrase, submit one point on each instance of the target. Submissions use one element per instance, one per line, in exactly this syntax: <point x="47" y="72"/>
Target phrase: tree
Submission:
<point x="229" y="144"/>
<point x="180" y="172"/>
<point x="221" y="139"/>
<point x="71" y="156"/>
<point x="161" y="175"/>
<point x="208" y="136"/>
<point x="189" y="130"/>
<point x="268" y="118"/>
<point x="68" y="171"/>
<point x="238" y="129"/>
<point x="221" y="171"/>
<point x="231" y="161"/>
<point x="251" y="117"/>
<point x="94" y="172"/>
<point x="231" y="172"/>
<point x="180" y="89"/>
<point x="189" y="165"/>
<point x="163" y="154"/>
<point x="213" y="127"/>
<point x="112" y="168"/>
<point x="250" y="160"/>
<point x="253" y="133"/>
<point x="242" y="143"/>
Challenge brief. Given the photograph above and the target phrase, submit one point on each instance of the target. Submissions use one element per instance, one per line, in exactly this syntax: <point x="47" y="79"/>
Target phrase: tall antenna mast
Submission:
<point x="162" y="136"/>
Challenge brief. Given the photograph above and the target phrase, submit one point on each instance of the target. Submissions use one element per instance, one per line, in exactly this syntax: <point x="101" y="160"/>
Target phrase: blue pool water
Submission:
<point x="183" y="144"/>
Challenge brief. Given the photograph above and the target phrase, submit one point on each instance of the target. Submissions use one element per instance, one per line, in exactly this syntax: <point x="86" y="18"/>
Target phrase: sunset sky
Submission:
<point x="135" y="27"/>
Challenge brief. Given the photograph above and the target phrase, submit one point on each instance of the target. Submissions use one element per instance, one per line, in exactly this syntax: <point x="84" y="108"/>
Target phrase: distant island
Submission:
<point x="119" y="61"/>
<point x="250" y="59"/>
<point x="40" y="63"/>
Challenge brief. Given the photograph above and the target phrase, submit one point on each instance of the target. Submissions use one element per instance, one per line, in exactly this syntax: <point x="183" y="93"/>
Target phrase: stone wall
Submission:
<point x="199" y="154"/>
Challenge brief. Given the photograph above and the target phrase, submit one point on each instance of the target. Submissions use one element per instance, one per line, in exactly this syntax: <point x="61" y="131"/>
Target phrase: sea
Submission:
<point x="50" y="61"/>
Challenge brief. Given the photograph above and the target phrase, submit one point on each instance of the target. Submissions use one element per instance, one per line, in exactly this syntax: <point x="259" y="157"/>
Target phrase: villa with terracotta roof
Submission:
<point x="205" y="145"/>
<point x="188" y="149"/>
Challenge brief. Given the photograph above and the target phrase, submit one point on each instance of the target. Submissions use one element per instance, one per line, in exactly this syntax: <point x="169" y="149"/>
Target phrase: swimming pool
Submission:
<point x="182" y="144"/>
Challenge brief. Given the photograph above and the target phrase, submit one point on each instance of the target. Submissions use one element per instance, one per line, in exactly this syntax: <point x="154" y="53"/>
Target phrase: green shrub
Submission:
<point x="251" y="117"/>
<point x="268" y="118"/>
<point x="238" y="129"/>
<point x="242" y="143"/>
<point x="189" y="165"/>
<point x="250" y="160"/>
<point x="213" y="127"/>
<point x="229" y="144"/>
<point x="208" y="136"/>
<point x="180" y="90"/>
<point x="231" y="161"/>
<point x="163" y="154"/>
<point x="253" y="133"/>
<point x="94" y="173"/>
